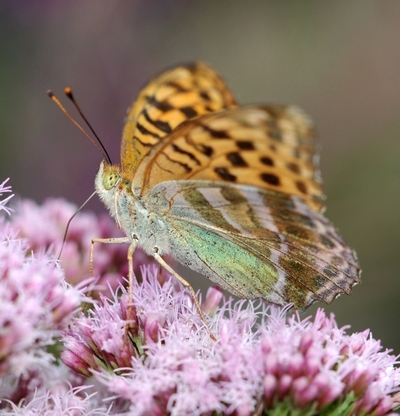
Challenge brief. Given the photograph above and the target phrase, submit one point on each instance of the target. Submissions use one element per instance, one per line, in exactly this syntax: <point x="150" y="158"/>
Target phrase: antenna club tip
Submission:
<point x="68" y="91"/>
<point x="50" y="93"/>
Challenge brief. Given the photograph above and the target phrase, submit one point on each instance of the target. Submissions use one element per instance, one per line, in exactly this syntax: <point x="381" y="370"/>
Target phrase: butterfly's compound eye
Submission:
<point x="110" y="179"/>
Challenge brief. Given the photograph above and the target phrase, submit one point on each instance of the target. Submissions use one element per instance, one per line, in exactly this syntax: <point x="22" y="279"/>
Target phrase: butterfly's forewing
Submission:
<point x="254" y="242"/>
<point x="168" y="100"/>
<point x="271" y="147"/>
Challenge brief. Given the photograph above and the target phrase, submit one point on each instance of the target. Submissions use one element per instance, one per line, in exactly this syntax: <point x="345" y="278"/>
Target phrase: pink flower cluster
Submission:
<point x="161" y="360"/>
<point x="35" y="305"/>
<point x="316" y="362"/>
<point x="102" y="339"/>
<point x="155" y="356"/>
<point x="35" y="302"/>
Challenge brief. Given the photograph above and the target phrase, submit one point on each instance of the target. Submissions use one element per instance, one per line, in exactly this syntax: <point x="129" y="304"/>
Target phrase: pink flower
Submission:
<point x="35" y="302"/>
<point x="3" y="203"/>
<point x="103" y="339"/>
<point x="74" y="401"/>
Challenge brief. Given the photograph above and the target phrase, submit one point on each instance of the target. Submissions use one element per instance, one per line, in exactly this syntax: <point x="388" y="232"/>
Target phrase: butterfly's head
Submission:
<point x="111" y="176"/>
<point x="106" y="183"/>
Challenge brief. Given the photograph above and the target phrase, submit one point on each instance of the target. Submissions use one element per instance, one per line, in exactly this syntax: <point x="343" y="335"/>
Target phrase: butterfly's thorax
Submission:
<point x="132" y="214"/>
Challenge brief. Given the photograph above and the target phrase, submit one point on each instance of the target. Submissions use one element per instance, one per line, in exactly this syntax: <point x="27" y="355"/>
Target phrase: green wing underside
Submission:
<point x="256" y="243"/>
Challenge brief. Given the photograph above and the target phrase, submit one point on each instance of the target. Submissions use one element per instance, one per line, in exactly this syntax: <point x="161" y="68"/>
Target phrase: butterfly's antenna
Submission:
<point x="99" y="145"/>
<point x="69" y="222"/>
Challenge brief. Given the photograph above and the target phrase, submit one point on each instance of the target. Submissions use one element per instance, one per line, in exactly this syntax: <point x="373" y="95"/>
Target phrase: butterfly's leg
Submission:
<point x="186" y="284"/>
<point x="131" y="250"/>
<point x="116" y="240"/>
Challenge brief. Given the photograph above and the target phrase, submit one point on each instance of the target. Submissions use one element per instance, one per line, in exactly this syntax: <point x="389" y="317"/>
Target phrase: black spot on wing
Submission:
<point x="188" y="112"/>
<point x="224" y="174"/>
<point x="205" y="96"/>
<point x="245" y="145"/>
<point x="236" y="159"/>
<point x="190" y="155"/>
<point x="143" y="130"/>
<point x="293" y="167"/>
<point x="206" y="150"/>
<point x="301" y="187"/>
<point x="265" y="160"/>
<point x="185" y="166"/>
<point x="270" y="178"/>
<point x="146" y="144"/>
<point x="160" y="105"/>
<point x="159" y="124"/>
<point x="216" y="134"/>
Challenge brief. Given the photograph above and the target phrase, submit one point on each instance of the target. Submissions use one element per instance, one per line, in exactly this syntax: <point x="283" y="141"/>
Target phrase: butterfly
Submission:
<point x="232" y="192"/>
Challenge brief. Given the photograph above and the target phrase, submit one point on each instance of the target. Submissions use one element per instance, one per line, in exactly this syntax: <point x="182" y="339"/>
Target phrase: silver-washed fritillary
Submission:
<point x="231" y="192"/>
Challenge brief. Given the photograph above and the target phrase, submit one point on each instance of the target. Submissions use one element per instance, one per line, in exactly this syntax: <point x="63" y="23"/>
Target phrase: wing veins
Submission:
<point x="233" y="289"/>
<point x="184" y="165"/>
<point x="260" y="255"/>
<point x="336" y="238"/>
<point x="142" y="142"/>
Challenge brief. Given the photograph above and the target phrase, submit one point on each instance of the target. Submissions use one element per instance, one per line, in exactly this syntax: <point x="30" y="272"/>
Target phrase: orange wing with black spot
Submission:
<point x="271" y="147"/>
<point x="168" y="100"/>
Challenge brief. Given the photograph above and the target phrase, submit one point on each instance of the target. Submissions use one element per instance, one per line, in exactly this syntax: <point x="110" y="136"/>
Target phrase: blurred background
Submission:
<point x="339" y="60"/>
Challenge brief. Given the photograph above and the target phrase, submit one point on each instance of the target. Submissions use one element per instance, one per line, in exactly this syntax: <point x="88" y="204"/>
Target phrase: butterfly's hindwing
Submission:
<point x="255" y="242"/>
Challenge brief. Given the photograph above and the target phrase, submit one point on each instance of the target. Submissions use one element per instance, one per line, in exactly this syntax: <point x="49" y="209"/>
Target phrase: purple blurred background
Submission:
<point x="339" y="60"/>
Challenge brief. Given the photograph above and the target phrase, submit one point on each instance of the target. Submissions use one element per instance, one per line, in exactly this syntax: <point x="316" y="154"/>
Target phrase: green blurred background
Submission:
<point x="339" y="60"/>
